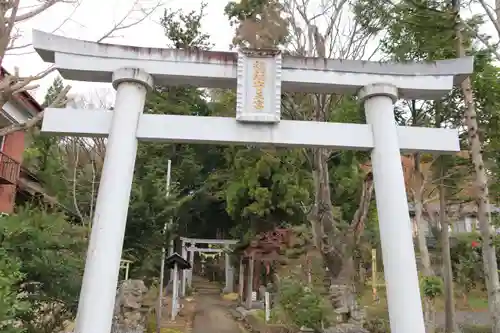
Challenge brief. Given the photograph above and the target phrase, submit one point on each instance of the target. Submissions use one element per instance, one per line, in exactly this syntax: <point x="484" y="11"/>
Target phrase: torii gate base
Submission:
<point x="259" y="78"/>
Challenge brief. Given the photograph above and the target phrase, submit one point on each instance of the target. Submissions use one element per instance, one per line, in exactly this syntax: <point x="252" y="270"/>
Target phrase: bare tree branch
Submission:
<point x="7" y="24"/>
<point x="36" y="11"/>
<point x="13" y="83"/>
<point x="59" y="101"/>
<point x="122" y="25"/>
<point x="491" y="16"/>
<point x="483" y="40"/>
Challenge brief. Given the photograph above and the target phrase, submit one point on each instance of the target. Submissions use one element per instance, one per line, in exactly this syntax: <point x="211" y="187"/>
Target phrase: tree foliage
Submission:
<point x="43" y="291"/>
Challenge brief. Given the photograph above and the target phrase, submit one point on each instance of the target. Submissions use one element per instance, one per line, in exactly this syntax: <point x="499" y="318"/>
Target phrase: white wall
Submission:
<point x="464" y="224"/>
<point x="15" y="113"/>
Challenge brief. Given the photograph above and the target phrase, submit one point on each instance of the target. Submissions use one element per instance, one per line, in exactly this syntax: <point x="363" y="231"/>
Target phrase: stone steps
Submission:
<point x="205" y="287"/>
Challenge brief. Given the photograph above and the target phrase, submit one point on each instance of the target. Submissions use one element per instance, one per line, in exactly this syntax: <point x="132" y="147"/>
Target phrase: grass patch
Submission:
<point x="275" y="317"/>
<point x="475" y="329"/>
<point x="476" y="301"/>
<point x="230" y="296"/>
<point x="259" y="314"/>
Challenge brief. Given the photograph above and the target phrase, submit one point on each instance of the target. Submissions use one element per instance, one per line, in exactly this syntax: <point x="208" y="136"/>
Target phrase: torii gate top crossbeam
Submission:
<point x="90" y="61"/>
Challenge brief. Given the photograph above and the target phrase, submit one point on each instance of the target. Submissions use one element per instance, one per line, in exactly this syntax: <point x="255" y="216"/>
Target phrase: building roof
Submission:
<point x="29" y="183"/>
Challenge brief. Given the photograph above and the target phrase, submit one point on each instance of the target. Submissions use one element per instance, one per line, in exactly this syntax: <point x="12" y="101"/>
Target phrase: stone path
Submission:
<point x="211" y="314"/>
<point x="212" y="317"/>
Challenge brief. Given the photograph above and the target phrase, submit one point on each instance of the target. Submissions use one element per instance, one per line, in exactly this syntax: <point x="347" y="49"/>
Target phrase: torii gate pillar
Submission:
<point x="97" y="297"/>
<point x="400" y="267"/>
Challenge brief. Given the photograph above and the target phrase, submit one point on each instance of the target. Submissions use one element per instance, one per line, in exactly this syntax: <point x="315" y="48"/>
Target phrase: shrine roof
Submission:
<point x="266" y="244"/>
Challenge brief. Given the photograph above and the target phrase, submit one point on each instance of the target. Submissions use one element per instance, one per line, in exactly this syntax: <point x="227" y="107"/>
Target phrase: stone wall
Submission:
<point x="130" y="314"/>
<point x="350" y="315"/>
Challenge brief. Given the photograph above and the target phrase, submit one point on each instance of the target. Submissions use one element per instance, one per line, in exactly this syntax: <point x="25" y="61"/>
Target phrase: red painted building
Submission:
<point x="18" y="110"/>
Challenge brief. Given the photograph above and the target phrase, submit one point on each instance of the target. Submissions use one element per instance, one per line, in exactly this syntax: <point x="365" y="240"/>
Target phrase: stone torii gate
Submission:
<point x="188" y="246"/>
<point x="259" y="77"/>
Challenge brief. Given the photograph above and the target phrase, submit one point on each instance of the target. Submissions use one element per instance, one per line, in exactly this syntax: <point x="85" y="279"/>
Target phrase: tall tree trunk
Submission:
<point x="417" y="189"/>
<point x="447" y="271"/>
<point x="325" y="232"/>
<point x="481" y="187"/>
<point x="417" y="184"/>
<point x="322" y="219"/>
<point x="425" y="259"/>
<point x="337" y="247"/>
<point x="449" y="305"/>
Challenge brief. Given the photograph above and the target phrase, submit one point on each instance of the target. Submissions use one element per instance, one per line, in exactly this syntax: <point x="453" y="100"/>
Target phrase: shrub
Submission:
<point x="467" y="261"/>
<point x="12" y="303"/>
<point x="377" y="325"/>
<point x="51" y="251"/>
<point x="431" y="286"/>
<point x="302" y="305"/>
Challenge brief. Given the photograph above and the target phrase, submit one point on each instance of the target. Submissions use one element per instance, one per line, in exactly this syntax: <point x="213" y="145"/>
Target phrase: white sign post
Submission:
<point x="175" y="263"/>
<point x="259" y="78"/>
<point x="267" y="306"/>
<point x="164" y="254"/>
<point x="175" y="293"/>
<point x="125" y="264"/>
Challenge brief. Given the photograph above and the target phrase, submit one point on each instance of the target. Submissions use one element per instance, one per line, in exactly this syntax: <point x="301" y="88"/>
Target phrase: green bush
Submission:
<point x="431" y="286"/>
<point x="302" y="305"/>
<point x="12" y="304"/>
<point x="51" y="251"/>
<point x="377" y="325"/>
<point x="467" y="261"/>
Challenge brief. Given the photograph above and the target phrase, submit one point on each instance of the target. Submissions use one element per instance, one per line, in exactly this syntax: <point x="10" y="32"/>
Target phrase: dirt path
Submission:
<point x="212" y="317"/>
<point x="469" y="318"/>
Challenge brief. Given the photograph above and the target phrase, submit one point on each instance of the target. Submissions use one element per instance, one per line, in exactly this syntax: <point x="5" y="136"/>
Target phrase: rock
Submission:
<point x="351" y="316"/>
<point x="130" y="314"/>
<point x="242" y="311"/>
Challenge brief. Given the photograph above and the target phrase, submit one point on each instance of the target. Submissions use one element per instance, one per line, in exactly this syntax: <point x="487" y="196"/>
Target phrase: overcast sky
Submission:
<point x="93" y="18"/>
